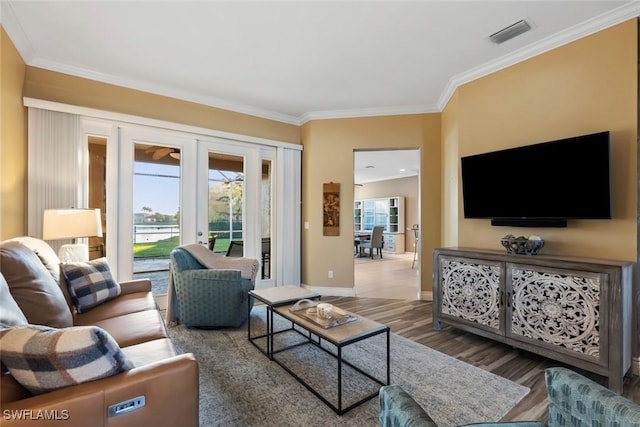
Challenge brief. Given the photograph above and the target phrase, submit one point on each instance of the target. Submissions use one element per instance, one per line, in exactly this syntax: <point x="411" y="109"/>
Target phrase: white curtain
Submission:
<point x="288" y="221"/>
<point x="56" y="165"/>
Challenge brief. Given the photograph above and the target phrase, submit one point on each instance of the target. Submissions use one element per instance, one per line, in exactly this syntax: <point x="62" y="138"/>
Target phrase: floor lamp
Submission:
<point x="58" y="224"/>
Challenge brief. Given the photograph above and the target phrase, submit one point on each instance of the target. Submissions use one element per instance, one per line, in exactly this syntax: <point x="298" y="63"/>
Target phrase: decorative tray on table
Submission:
<point x="307" y="309"/>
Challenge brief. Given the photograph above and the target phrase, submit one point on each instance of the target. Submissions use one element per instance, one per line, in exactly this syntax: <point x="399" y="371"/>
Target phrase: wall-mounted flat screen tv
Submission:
<point x="541" y="184"/>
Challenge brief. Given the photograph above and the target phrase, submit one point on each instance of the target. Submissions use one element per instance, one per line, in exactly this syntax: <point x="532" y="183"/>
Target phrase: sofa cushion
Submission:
<point x="32" y="286"/>
<point x="10" y="313"/>
<point x="150" y="352"/>
<point x="49" y="259"/>
<point x="43" y="359"/>
<point x="45" y="253"/>
<point x="89" y="283"/>
<point x="124" y="304"/>
<point x="133" y="328"/>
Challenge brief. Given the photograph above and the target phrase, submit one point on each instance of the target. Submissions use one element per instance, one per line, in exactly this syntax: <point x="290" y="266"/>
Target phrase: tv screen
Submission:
<point x="566" y="179"/>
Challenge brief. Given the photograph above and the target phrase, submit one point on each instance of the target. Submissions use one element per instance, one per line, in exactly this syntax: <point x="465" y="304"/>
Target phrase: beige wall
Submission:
<point x="450" y="163"/>
<point x="405" y="187"/>
<point x="13" y="144"/>
<point x="66" y="89"/>
<point x="328" y="157"/>
<point x="587" y="86"/>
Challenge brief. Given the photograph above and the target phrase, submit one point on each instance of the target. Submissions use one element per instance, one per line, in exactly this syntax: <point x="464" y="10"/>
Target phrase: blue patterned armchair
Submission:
<point x="574" y="401"/>
<point x="211" y="297"/>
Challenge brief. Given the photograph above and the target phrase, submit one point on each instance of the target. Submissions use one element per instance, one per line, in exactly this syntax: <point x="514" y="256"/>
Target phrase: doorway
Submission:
<point x="387" y="194"/>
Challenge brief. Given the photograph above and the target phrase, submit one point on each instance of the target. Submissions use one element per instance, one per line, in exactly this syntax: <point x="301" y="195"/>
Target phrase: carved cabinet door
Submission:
<point x="470" y="291"/>
<point x="559" y="309"/>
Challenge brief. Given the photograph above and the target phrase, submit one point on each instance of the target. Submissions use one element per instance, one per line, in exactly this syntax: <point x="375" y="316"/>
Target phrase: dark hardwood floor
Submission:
<point x="413" y="320"/>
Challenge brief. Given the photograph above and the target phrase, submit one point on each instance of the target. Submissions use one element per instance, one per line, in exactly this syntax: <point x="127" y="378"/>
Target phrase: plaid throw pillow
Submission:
<point x="42" y="359"/>
<point x="90" y="283"/>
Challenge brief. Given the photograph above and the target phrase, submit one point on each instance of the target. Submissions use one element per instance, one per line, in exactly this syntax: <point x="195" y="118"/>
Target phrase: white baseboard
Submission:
<point x="331" y="291"/>
<point x="350" y="292"/>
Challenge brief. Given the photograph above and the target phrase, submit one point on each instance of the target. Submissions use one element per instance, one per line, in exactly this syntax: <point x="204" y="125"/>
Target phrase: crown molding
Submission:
<point x="571" y="34"/>
<point x="16" y="33"/>
<point x="368" y="112"/>
<point x="164" y="90"/>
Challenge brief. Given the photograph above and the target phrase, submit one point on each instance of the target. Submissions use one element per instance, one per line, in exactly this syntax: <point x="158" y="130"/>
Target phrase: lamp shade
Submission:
<point x="71" y="223"/>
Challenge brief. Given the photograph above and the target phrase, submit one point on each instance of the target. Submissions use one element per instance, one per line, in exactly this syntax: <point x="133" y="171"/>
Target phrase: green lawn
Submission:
<point x="164" y="247"/>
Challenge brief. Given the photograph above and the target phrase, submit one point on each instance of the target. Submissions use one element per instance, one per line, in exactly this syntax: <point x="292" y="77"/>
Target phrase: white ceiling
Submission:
<point x="373" y="166"/>
<point x="294" y="61"/>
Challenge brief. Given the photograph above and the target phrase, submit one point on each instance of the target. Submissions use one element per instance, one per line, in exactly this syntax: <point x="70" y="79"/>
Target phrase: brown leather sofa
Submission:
<point x="168" y="381"/>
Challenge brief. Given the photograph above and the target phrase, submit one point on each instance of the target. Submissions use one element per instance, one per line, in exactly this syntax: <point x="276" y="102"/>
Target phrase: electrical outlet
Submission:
<point x="330" y="274"/>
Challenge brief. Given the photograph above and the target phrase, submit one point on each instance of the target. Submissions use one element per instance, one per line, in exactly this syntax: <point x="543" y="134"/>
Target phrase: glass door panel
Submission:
<point x="235" y="181"/>
<point x="225" y="204"/>
<point x="156" y="211"/>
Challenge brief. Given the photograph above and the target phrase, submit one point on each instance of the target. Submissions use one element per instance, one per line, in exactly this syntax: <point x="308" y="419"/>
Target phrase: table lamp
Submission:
<point x="60" y="224"/>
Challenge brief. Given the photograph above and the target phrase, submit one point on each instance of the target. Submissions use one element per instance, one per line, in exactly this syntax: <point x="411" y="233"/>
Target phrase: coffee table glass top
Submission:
<point x="282" y="294"/>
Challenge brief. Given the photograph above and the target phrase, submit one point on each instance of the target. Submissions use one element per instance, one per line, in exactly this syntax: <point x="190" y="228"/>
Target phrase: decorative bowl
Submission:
<point x="522" y="245"/>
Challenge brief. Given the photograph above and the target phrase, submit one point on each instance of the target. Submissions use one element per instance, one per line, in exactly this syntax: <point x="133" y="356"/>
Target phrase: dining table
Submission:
<point x="357" y="239"/>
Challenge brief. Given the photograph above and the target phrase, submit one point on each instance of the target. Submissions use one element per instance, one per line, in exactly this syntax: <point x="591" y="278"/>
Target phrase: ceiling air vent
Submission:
<point x="510" y="32"/>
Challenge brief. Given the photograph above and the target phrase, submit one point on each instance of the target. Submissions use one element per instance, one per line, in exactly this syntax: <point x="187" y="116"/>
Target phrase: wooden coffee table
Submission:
<point x="274" y="297"/>
<point x="340" y="336"/>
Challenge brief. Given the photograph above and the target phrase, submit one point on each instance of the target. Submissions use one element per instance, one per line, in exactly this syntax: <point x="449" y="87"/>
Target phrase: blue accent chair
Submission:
<point x="209" y="298"/>
<point x="574" y="400"/>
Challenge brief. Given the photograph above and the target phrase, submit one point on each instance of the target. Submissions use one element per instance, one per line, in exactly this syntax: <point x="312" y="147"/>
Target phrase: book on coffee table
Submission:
<point x="307" y="310"/>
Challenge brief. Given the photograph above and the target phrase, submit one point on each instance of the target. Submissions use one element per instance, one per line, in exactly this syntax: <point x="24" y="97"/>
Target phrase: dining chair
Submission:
<point x="374" y="243"/>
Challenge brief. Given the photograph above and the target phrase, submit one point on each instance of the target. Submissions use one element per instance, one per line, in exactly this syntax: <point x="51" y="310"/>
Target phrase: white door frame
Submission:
<point x="129" y="136"/>
<point x="251" y="194"/>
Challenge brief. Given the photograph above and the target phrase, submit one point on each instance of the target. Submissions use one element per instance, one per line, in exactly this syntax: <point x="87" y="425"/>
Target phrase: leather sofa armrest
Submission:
<point x="170" y="388"/>
<point x="137" y="285"/>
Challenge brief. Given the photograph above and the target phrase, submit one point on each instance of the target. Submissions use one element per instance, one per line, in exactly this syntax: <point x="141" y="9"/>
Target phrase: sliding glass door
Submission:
<point x="181" y="191"/>
<point x="156" y="211"/>
<point x="234" y="195"/>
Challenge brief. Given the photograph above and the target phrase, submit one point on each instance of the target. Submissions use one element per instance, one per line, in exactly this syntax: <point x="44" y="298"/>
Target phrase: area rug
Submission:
<point x="240" y="386"/>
